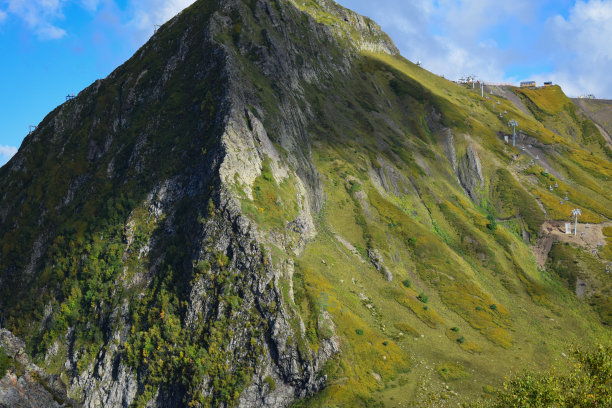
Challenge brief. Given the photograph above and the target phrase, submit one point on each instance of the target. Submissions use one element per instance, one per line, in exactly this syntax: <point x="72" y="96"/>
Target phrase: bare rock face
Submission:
<point x="27" y="385"/>
<point x="370" y="36"/>
<point x="378" y="262"/>
<point x="470" y="173"/>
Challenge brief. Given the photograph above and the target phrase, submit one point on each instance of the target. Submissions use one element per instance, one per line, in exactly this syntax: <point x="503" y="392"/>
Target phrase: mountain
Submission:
<point x="600" y="112"/>
<point x="268" y="206"/>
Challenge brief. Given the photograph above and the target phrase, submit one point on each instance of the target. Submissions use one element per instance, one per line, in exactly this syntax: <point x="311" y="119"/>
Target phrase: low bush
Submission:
<point x="4" y="362"/>
<point x="585" y="385"/>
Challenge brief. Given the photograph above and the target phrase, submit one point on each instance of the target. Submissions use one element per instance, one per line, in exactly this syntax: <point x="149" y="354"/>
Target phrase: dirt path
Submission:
<point x="599" y="112"/>
<point x="554" y="231"/>
<point x="511" y="96"/>
<point x="605" y="134"/>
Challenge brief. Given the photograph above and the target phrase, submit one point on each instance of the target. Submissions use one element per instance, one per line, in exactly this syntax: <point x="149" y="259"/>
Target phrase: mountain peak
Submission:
<point x="364" y="33"/>
<point x="267" y="204"/>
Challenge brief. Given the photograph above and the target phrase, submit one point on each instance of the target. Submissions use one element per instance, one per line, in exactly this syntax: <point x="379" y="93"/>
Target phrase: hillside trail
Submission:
<point x="507" y="93"/>
<point x="583" y="105"/>
<point x="605" y="134"/>
<point x="589" y="236"/>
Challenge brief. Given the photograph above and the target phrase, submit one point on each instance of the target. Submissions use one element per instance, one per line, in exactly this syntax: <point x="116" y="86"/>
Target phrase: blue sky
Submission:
<point x="51" y="48"/>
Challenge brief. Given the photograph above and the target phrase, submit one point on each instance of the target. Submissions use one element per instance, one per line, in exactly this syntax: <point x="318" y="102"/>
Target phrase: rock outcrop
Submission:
<point x="26" y="385"/>
<point x="470" y="173"/>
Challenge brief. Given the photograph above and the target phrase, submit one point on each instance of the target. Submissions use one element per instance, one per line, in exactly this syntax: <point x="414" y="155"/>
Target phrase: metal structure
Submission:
<point x="419" y="63"/>
<point x="575" y="213"/>
<point x="32" y="128"/>
<point x="156" y="27"/>
<point x="69" y="97"/>
<point x="514" y="124"/>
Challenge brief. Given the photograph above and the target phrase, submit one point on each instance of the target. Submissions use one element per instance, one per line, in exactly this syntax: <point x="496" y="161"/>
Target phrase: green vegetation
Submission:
<point x="607" y="252"/>
<point x="4" y="362"/>
<point x="451" y="371"/>
<point x="585" y="382"/>
<point x="269" y="381"/>
<point x="273" y="204"/>
<point x="577" y="267"/>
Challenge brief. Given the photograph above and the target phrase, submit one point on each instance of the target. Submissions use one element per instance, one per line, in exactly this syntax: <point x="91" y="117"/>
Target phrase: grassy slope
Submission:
<point x="489" y="311"/>
<point x="600" y="111"/>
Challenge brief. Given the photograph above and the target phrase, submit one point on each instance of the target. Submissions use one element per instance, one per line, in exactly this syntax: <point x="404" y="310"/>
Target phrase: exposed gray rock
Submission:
<point x="378" y="262"/>
<point x="26" y="385"/>
<point x="470" y="173"/>
<point x="448" y="143"/>
<point x="370" y="36"/>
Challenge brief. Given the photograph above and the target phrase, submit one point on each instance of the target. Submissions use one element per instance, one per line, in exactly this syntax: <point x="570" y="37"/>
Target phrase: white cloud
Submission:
<point x="90" y="5"/>
<point x="6" y="152"/>
<point x="583" y="48"/>
<point x="50" y="32"/>
<point x="149" y="12"/>
<point x="39" y="15"/>
<point x="497" y="41"/>
<point x="447" y="34"/>
<point x="42" y="15"/>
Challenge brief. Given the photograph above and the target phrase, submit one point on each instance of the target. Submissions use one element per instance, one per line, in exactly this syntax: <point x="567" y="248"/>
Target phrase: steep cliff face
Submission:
<point x="155" y="152"/>
<point x="268" y="204"/>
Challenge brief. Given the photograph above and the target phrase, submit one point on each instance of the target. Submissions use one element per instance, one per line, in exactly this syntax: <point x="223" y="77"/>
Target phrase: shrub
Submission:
<point x="423" y="297"/>
<point x="355" y="187"/>
<point x="586" y="385"/>
<point x="492" y="225"/>
<point x="407" y="329"/>
<point x="359" y="332"/>
<point x="461" y="340"/>
<point x="493" y="307"/>
<point x="406" y="283"/>
<point x="455" y="329"/>
<point x="4" y="362"/>
<point x="451" y="371"/>
<point x="488" y="389"/>
<point x="271" y="383"/>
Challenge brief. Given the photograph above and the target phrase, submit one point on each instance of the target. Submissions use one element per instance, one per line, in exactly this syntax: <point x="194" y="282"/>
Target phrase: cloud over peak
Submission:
<point x="6" y="152"/>
<point x="39" y="15"/>
<point x="46" y="17"/>
<point x="583" y="48"/>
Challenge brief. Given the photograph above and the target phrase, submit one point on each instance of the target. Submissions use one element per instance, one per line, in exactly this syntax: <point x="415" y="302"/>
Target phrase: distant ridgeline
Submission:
<point x="267" y="206"/>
